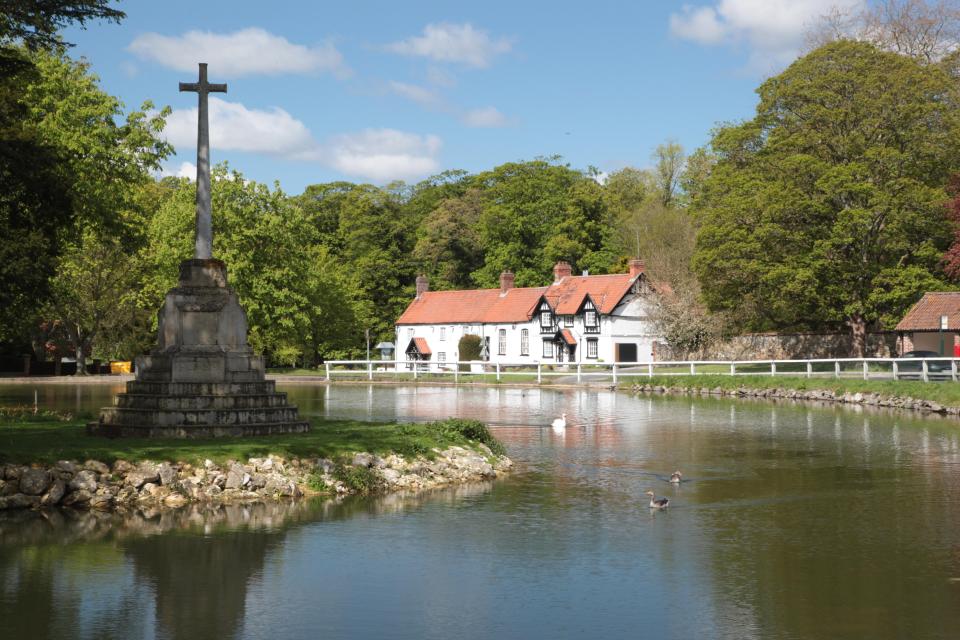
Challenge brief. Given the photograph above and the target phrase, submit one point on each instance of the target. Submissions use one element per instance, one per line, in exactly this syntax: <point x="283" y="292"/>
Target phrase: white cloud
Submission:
<point x="245" y="52"/>
<point x="374" y="154"/>
<point x="486" y="117"/>
<point x="772" y="29"/>
<point x="416" y="93"/>
<point x="185" y="170"/>
<point x="384" y="154"/>
<point x="234" y="127"/>
<point x="446" y="42"/>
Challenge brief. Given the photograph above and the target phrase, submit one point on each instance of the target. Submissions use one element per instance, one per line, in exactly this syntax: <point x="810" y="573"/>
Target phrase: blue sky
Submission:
<point x="370" y="91"/>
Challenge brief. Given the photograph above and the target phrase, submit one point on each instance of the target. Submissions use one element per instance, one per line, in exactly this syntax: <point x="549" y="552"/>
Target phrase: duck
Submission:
<point x="676" y="477"/>
<point x="658" y="503"/>
<point x="560" y="423"/>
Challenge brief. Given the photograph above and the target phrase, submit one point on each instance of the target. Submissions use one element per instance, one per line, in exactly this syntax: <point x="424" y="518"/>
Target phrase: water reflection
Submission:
<point x="796" y="520"/>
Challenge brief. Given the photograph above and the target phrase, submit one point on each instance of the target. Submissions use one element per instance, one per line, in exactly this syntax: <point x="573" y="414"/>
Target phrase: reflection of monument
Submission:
<point x="202" y="379"/>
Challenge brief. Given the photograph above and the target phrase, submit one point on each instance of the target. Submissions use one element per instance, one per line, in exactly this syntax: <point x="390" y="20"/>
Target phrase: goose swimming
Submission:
<point x="676" y="477"/>
<point x="658" y="503"/>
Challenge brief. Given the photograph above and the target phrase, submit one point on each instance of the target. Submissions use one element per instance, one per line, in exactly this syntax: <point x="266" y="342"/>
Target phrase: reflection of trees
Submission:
<point x="89" y="574"/>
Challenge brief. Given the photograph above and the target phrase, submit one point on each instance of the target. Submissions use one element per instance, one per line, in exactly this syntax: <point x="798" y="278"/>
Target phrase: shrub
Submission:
<point x="358" y="479"/>
<point x="469" y="349"/>
<point x="473" y="430"/>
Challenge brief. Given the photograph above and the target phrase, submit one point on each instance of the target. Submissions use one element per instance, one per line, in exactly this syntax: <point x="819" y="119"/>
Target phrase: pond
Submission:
<point x="794" y="521"/>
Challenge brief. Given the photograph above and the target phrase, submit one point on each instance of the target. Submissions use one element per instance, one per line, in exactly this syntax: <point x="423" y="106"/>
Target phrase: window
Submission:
<point x="443" y="333"/>
<point x="441" y="356"/>
<point x="548" y="348"/>
<point x="591" y="347"/>
<point x="546" y="316"/>
<point x="568" y="321"/>
<point x="524" y="342"/>
<point x="502" y="347"/>
<point x="410" y="332"/>
<point x="591" y="324"/>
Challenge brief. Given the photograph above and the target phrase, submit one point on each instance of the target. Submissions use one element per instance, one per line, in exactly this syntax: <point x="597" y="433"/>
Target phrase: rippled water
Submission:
<point x="795" y="522"/>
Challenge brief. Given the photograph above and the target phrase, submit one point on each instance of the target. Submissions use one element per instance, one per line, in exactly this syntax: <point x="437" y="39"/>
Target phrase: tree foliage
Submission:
<point x="826" y="207"/>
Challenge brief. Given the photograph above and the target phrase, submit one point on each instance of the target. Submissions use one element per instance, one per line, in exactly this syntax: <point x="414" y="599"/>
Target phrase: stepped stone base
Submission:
<point x="202" y="380"/>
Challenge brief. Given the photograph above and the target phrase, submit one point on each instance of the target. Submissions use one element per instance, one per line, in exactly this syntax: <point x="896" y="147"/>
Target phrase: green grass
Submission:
<point x="287" y="371"/>
<point x="46" y="439"/>
<point x="945" y="393"/>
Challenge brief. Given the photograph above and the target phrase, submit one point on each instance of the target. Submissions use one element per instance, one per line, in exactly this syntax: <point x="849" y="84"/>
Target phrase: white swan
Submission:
<point x="560" y="423"/>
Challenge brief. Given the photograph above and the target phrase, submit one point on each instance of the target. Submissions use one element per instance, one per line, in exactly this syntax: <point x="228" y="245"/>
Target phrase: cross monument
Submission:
<point x="204" y="231"/>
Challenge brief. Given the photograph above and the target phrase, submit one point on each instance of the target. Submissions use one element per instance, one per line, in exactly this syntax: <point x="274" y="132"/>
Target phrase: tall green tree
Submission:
<point x="827" y="207"/>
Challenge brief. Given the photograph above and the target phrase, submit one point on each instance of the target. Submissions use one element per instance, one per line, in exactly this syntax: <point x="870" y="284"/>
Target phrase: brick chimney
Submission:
<point x="506" y="281"/>
<point x="561" y="270"/>
<point x="423" y="285"/>
<point x="637" y="267"/>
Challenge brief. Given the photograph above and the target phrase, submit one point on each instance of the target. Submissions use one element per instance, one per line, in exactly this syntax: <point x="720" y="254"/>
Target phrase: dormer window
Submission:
<point x="591" y="320"/>
<point x="546" y="316"/>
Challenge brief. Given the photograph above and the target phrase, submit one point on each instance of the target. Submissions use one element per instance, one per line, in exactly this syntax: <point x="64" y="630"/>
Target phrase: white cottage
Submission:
<point x="576" y="319"/>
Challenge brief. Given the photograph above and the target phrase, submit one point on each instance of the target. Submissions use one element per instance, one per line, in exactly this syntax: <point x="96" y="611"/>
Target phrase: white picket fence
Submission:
<point x="926" y="369"/>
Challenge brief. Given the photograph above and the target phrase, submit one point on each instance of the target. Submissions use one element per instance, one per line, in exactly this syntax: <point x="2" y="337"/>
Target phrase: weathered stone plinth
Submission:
<point x="202" y="380"/>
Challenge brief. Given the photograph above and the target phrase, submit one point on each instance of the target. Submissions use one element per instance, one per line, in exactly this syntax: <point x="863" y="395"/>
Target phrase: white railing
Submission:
<point x="925" y="369"/>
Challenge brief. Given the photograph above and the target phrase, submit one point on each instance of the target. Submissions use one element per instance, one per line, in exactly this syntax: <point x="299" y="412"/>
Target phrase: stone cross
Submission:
<point x="204" y="232"/>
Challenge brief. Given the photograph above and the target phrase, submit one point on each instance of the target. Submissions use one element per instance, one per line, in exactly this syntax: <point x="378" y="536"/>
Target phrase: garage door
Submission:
<point x="626" y="352"/>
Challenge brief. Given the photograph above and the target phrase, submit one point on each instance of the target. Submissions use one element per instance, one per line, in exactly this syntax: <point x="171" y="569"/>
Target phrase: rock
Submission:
<point x="168" y="475"/>
<point x="96" y="465"/>
<point x="85" y="480"/>
<point x="237" y="477"/>
<point x="390" y="476"/>
<point x="139" y="478"/>
<point x="126" y="495"/>
<point x="55" y="493"/>
<point x="101" y="502"/>
<point x="175" y="500"/>
<point x="12" y="472"/>
<point x="325" y="465"/>
<point x="34" y="482"/>
<point x="122" y="467"/>
<point x="78" y="497"/>
<point x="362" y="460"/>
<point x="19" y="501"/>
<point x="67" y="466"/>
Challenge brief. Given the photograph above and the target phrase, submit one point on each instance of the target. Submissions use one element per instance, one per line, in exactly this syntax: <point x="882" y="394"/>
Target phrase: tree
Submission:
<point x="448" y="244"/>
<point x="668" y="167"/>
<point x="93" y="293"/>
<point x="66" y="164"/>
<point x="827" y="207"/>
<point x="926" y="31"/>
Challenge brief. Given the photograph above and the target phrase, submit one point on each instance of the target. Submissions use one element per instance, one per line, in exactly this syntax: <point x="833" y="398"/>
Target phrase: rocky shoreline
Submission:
<point x="96" y="485"/>
<point x="817" y="395"/>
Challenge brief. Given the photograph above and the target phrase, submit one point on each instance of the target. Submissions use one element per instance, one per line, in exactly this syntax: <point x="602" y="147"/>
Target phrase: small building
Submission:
<point x="577" y="319"/>
<point x="933" y="324"/>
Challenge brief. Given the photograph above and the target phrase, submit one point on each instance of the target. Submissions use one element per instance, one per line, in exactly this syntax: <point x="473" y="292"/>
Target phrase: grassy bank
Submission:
<point x="945" y="393"/>
<point x="25" y="438"/>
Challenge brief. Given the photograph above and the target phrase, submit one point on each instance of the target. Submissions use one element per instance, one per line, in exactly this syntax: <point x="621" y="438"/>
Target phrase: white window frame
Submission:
<point x="441" y="356"/>
<point x="525" y="342"/>
<point x="568" y="321"/>
<point x="443" y="333"/>
<point x="502" y="342"/>
<point x="410" y="332"/>
<point x="548" y="347"/>
<point x="592" y="348"/>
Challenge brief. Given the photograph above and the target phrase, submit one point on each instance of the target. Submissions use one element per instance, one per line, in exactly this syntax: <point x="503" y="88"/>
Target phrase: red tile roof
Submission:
<point x="568" y="337"/>
<point x="422" y="347"/>
<point x="925" y="315"/>
<point x="517" y="304"/>
<point x="567" y="295"/>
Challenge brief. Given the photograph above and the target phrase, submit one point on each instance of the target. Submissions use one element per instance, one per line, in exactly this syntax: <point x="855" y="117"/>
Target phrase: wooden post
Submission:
<point x="539" y="376"/>
<point x="836" y="368"/>
<point x="369" y="369"/>
<point x="733" y="368"/>
<point x="327" y="364"/>
<point x="649" y="369"/>
<point x="614" y="373"/>
<point x="498" y="372"/>
<point x="809" y="369"/>
<point x="693" y="368"/>
<point x="866" y="370"/>
<point x="895" y="370"/>
<point x="926" y="376"/>
<point x="579" y="372"/>
<point x="953" y="370"/>
<point x="773" y="368"/>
